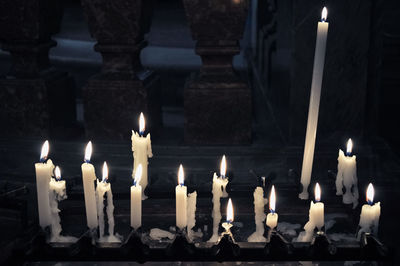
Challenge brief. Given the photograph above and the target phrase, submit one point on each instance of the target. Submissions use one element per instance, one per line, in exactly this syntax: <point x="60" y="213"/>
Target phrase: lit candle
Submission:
<point x="102" y="188"/>
<point x="57" y="193"/>
<point x="44" y="171"/>
<point x="136" y="200"/>
<point x="229" y="217"/>
<point x="318" y="70"/>
<point x="181" y="201"/>
<point x="347" y="176"/>
<point x="259" y="216"/>
<point x="141" y="148"/>
<point x="88" y="178"/>
<point x="370" y="213"/>
<point x="272" y="217"/>
<point x="218" y="191"/>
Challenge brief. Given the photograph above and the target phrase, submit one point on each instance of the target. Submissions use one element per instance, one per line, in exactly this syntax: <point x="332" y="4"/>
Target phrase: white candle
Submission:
<point x="317" y="209"/>
<point x="370" y="213"/>
<point x="88" y="178"/>
<point x="44" y="172"/>
<point x="136" y="200"/>
<point x="181" y="201"/>
<point x="272" y="217"/>
<point x="318" y="70"/>
<point x="259" y="216"/>
<point x="347" y="176"/>
<point x="57" y="193"/>
<point x="218" y="191"/>
<point x="141" y="148"/>
<point x="229" y="217"/>
<point x="191" y="215"/>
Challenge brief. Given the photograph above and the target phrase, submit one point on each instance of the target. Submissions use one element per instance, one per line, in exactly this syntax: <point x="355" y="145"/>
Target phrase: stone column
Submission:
<point x="114" y="98"/>
<point x="36" y="98"/>
<point x="217" y="102"/>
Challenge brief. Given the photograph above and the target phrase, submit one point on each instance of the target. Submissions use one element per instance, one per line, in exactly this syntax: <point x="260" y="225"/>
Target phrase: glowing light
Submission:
<point x="324" y="14"/>
<point x="57" y="173"/>
<point x="272" y="200"/>
<point x="45" y="151"/>
<point x="141" y="123"/>
<point x="223" y="167"/>
<point x="229" y="212"/>
<point x="370" y="194"/>
<point x="88" y="152"/>
<point x="105" y="172"/>
<point x="349" y="147"/>
<point x="138" y="174"/>
<point x="317" y="192"/>
<point x="181" y="176"/>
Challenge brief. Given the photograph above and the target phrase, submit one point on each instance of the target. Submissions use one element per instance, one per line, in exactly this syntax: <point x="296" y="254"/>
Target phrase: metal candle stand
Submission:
<point x="321" y="246"/>
<point x="226" y="247"/>
<point x="181" y="246"/>
<point x="135" y="246"/>
<point x="372" y="247"/>
<point x="277" y="245"/>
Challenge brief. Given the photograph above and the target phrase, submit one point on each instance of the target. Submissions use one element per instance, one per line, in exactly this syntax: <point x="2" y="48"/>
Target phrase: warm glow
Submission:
<point x="317" y="192"/>
<point x="57" y="173"/>
<point x="370" y="193"/>
<point x="223" y="167"/>
<point x="88" y="152"/>
<point x="324" y="14"/>
<point x="229" y="211"/>
<point x="181" y="176"/>
<point x="105" y="172"/>
<point x="45" y="150"/>
<point x="349" y="146"/>
<point x="141" y="123"/>
<point x="272" y="200"/>
<point x="138" y="174"/>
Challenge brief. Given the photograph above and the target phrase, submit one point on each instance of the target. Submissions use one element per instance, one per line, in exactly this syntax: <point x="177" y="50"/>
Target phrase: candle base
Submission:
<point x="181" y="246"/>
<point x="321" y="246"/>
<point x="134" y="246"/>
<point x="372" y="247"/>
<point x="277" y="246"/>
<point x="226" y="247"/>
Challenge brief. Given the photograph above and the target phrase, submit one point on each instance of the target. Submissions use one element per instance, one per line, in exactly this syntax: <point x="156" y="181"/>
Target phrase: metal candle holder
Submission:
<point x="277" y="245"/>
<point x="181" y="246"/>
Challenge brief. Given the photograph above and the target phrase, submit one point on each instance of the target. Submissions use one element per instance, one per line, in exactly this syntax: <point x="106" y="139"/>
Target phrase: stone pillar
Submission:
<point x="217" y="102"/>
<point x="36" y="98"/>
<point x="344" y="87"/>
<point x="114" y="98"/>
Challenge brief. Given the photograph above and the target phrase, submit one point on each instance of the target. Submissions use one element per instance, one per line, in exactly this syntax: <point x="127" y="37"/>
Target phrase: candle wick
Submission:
<point x="370" y="202"/>
<point x="86" y="161"/>
<point x="141" y="133"/>
<point x="43" y="160"/>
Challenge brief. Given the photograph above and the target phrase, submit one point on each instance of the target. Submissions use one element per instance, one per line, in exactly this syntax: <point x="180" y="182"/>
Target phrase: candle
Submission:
<point x="57" y="193"/>
<point x="88" y="178"/>
<point x="218" y="191"/>
<point x="316" y="217"/>
<point x="44" y="171"/>
<point x="141" y="148"/>
<point x="191" y="215"/>
<point x="102" y="189"/>
<point x="229" y="217"/>
<point x="272" y="218"/>
<point x="347" y="176"/>
<point x="370" y="213"/>
<point x="319" y="60"/>
<point x="136" y="200"/>
<point x="181" y="201"/>
<point x="259" y="216"/>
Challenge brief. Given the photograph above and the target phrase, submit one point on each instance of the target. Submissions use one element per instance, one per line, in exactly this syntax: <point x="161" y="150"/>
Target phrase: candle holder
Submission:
<point x="277" y="245"/>
<point x="226" y="246"/>
<point x="181" y="246"/>
<point x="135" y="247"/>
<point x="371" y="247"/>
<point x="321" y="246"/>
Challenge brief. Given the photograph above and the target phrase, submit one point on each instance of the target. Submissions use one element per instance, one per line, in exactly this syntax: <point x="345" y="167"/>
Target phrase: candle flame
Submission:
<point x="272" y="199"/>
<point x="223" y="167"/>
<point x="88" y="152"/>
<point x="317" y="193"/>
<point x="370" y="193"/>
<point x="229" y="211"/>
<point x="57" y="173"/>
<point x="45" y="151"/>
<point x="349" y="148"/>
<point x="138" y="174"/>
<point x="141" y="123"/>
<point x="181" y="176"/>
<point x="324" y="14"/>
<point x="105" y="172"/>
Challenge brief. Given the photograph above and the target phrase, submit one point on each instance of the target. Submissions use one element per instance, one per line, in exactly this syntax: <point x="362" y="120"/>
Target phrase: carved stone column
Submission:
<point x="217" y="102"/>
<point x="35" y="97"/>
<point x="114" y="98"/>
